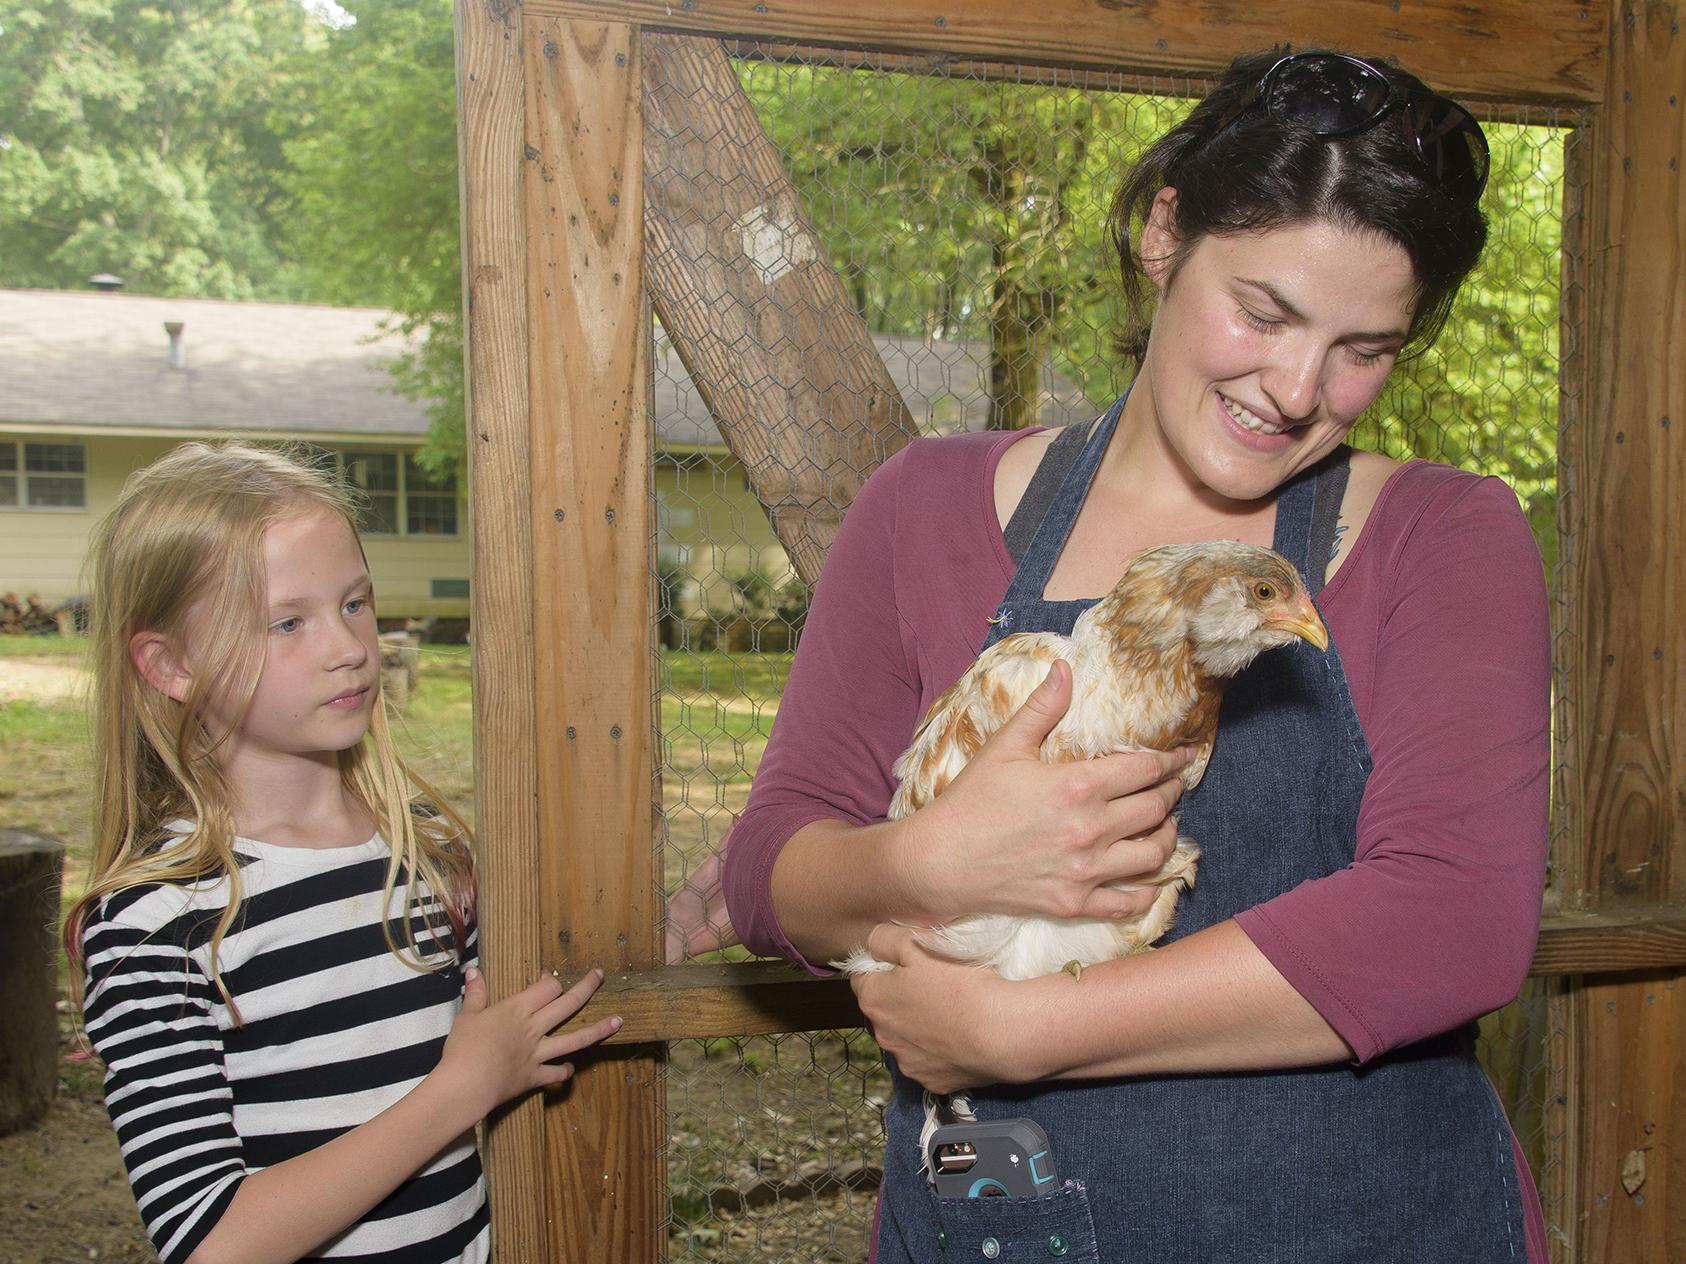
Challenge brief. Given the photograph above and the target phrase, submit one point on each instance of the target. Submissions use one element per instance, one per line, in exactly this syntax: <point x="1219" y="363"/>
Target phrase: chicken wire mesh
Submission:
<point x="963" y="209"/>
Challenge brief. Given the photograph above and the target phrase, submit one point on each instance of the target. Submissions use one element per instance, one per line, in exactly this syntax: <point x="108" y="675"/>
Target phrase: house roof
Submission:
<point x="102" y="361"/>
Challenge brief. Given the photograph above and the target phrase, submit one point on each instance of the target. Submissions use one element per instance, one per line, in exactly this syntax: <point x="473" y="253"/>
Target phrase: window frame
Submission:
<point x="19" y="475"/>
<point x="401" y="511"/>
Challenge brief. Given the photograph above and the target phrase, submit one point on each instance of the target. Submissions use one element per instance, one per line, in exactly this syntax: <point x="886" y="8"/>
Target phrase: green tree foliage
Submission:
<point x="966" y="209"/>
<point x="1485" y="396"/>
<point x="136" y="138"/>
<point x="373" y="179"/>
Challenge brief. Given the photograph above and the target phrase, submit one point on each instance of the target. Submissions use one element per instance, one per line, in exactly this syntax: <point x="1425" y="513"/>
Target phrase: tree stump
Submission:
<point x="31" y="865"/>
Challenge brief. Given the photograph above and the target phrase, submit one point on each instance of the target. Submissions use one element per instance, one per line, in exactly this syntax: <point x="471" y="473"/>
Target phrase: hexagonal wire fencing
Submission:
<point x="963" y="207"/>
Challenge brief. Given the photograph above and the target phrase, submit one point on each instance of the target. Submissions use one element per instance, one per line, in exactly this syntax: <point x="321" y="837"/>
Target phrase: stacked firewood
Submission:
<point x="26" y="615"/>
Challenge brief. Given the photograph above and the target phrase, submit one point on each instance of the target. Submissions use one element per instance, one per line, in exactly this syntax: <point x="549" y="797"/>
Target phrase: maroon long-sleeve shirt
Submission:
<point x="1439" y="614"/>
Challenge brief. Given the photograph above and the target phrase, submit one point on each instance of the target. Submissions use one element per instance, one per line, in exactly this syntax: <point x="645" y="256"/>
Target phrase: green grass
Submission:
<point x="43" y="646"/>
<point x="760" y="676"/>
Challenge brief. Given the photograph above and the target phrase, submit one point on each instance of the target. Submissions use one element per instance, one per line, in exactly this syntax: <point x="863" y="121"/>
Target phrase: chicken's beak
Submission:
<point x="1303" y="621"/>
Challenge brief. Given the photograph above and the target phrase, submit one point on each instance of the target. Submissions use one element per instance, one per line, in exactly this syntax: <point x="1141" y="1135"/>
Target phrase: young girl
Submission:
<point x="279" y="939"/>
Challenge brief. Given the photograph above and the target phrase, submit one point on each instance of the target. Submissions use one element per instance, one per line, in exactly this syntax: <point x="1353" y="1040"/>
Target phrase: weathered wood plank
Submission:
<point x="690" y="1002"/>
<point x="1611" y="943"/>
<point x="1036" y="74"/>
<point x="1503" y="50"/>
<point x="494" y="258"/>
<point x="751" y="998"/>
<point x="1563" y="1105"/>
<point x="590" y="525"/>
<point x="756" y="311"/>
<point x="1627" y="579"/>
<point x="1625" y="780"/>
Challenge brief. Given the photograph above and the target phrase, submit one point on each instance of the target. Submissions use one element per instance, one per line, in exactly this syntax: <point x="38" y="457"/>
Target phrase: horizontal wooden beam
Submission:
<point x="1084" y="78"/>
<point x="1512" y="51"/>
<point x="758" y="998"/>
<point x="1611" y="943"/>
<point x="747" y="998"/>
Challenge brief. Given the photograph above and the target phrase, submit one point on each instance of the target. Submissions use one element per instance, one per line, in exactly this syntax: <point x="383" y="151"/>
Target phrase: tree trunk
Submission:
<point x="30" y="868"/>
<point x="1018" y="340"/>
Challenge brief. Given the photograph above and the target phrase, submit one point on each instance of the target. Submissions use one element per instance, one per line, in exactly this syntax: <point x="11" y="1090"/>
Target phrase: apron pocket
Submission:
<point x="1057" y="1226"/>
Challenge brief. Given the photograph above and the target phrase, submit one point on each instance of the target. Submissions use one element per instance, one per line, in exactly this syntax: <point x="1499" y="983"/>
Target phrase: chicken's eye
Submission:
<point x="1264" y="590"/>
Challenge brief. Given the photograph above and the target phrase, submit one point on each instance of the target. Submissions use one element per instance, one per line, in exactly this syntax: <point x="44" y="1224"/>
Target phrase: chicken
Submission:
<point x="1148" y="663"/>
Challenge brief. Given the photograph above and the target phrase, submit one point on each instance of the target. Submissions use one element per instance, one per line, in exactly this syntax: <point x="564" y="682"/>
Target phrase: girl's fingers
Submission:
<point x="549" y="1076"/>
<point x="564" y="1006"/>
<point x="1141" y="857"/>
<point x="473" y="990"/>
<point x="541" y="991"/>
<point x="581" y="992"/>
<point x="553" y="1047"/>
<point x="1109" y="902"/>
<point x="1133" y="772"/>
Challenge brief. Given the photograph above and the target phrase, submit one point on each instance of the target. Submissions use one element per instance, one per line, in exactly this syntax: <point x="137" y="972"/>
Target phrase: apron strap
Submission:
<point x="1326" y="516"/>
<point x="1059" y="457"/>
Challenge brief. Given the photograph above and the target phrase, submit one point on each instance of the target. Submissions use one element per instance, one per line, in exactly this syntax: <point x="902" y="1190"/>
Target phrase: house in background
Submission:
<point x="100" y="384"/>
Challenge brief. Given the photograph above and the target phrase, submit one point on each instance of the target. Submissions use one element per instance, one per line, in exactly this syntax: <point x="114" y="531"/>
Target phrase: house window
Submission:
<point x="375" y="475"/>
<point x="43" y="476"/>
<point x="399" y="496"/>
<point x="430" y="501"/>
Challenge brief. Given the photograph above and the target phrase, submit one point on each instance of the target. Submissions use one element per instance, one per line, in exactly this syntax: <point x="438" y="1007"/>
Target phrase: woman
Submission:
<point x="1291" y="1075"/>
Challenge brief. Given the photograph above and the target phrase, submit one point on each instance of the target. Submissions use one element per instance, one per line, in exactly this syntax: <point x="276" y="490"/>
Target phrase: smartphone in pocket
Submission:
<point x="1003" y="1158"/>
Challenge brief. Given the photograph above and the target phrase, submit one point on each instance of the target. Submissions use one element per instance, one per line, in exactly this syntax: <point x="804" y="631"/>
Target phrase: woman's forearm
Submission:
<point x="286" y="1211"/>
<point x="833" y="882"/>
<point x="1210" y="1002"/>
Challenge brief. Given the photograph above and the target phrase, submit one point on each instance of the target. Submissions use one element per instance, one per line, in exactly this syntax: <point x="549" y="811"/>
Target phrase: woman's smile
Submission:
<point x="1248" y="420"/>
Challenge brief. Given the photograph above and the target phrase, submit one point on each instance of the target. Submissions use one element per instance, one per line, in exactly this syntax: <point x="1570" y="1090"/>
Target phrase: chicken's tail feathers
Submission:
<point x="941" y="1109"/>
<point x="860" y="961"/>
<point x="974" y="940"/>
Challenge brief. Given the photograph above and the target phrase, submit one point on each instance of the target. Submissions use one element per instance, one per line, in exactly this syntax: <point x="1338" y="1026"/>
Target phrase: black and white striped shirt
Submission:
<point x="334" y="1028"/>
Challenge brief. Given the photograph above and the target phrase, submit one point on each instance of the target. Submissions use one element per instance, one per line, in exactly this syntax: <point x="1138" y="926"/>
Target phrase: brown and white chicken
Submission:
<point x="1149" y="662"/>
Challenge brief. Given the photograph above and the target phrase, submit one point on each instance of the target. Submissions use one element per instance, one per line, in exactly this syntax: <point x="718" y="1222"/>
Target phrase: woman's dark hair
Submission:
<point x="1259" y="173"/>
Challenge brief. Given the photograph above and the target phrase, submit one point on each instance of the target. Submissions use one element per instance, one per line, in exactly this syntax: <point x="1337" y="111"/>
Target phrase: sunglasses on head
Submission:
<point x="1334" y="95"/>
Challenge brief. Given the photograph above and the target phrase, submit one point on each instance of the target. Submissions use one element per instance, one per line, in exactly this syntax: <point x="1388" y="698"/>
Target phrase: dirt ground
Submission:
<point x="63" y="1195"/>
<point x="40" y="680"/>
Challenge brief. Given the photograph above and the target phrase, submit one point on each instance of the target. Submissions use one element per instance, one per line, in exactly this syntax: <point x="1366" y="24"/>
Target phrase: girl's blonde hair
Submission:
<point x="186" y="538"/>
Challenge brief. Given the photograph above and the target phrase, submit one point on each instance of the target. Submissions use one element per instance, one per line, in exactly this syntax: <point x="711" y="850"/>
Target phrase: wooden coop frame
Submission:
<point x="567" y="241"/>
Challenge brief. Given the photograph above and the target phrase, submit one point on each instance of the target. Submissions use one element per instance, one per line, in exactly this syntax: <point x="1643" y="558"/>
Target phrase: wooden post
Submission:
<point x="494" y="268"/>
<point x="30" y="868"/>
<point x="1625" y="586"/>
<point x="588" y="370"/>
<point x="560" y="475"/>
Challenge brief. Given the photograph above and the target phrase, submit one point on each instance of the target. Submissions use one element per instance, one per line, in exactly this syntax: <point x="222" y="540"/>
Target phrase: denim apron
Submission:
<point x="1405" y="1160"/>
